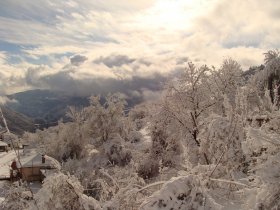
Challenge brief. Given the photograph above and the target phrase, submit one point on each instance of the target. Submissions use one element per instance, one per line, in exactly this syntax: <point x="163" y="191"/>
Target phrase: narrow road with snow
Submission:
<point x="6" y="159"/>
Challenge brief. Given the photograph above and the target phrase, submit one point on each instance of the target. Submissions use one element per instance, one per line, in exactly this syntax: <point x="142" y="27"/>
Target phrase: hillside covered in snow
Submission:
<point x="211" y="142"/>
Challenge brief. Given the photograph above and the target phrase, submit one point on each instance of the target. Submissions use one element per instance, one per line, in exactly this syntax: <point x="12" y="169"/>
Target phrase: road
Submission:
<point x="6" y="159"/>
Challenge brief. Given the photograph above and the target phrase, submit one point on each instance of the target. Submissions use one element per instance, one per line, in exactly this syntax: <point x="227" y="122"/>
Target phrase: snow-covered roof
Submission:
<point x="3" y="144"/>
<point x="31" y="158"/>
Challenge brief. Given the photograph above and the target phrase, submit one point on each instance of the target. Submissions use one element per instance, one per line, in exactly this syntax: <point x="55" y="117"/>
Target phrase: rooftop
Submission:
<point x="31" y="158"/>
<point x="3" y="144"/>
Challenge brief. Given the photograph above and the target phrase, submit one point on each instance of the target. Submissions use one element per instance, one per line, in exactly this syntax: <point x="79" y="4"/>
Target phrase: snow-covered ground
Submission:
<point x="147" y="141"/>
<point x="4" y="186"/>
<point x="6" y="159"/>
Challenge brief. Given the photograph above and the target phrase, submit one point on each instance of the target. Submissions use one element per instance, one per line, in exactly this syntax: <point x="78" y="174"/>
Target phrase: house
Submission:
<point x="3" y="146"/>
<point x="34" y="166"/>
<point x="11" y="139"/>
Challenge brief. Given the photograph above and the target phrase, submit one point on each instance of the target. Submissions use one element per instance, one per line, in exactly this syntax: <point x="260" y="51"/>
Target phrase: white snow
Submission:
<point x="6" y="159"/>
<point x="146" y="140"/>
<point x="3" y="143"/>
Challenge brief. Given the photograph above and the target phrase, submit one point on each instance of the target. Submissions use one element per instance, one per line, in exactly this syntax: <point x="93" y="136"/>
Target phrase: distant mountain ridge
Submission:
<point x="44" y="106"/>
<point x="17" y="122"/>
<point x="47" y="107"/>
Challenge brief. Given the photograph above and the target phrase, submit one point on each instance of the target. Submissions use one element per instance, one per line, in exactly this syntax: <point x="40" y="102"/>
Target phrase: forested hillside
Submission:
<point x="18" y="123"/>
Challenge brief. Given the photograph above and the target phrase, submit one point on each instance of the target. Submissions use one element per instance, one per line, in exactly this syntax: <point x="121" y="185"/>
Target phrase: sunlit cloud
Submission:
<point x="85" y="40"/>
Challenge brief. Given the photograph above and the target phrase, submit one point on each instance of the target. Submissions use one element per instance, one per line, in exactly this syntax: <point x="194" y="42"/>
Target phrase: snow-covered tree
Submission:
<point x="269" y="77"/>
<point x="138" y="115"/>
<point x="221" y="141"/>
<point x="116" y="151"/>
<point x="185" y="103"/>
<point x="18" y="197"/>
<point x="61" y="192"/>
<point x="181" y="193"/>
<point x="224" y="82"/>
<point x="166" y="144"/>
<point x="108" y="118"/>
<point x="188" y="98"/>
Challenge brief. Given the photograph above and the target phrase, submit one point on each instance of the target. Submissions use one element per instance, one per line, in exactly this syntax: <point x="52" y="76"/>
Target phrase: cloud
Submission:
<point x="33" y="76"/>
<point x="65" y="81"/>
<point x="243" y="30"/>
<point x="135" y="89"/>
<point x="114" y="60"/>
<point x="77" y="60"/>
<point x="5" y="99"/>
<point x="182" y="60"/>
<point x="78" y="44"/>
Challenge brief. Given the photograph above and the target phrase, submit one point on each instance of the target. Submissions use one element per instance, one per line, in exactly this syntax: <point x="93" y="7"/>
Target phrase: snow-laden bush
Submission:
<point x="221" y="142"/>
<point x="116" y="151"/>
<point x="267" y="81"/>
<point x="100" y="190"/>
<point x="159" y="141"/>
<point x="137" y="116"/>
<point x="172" y="154"/>
<point x="265" y="178"/>
<point x="139" y="124"/>
<point x="128" y="195"/>
<point x="166" y="147"/>
<point x="18" y="197"/>
<point x="67" y="140"/>
<point x="262" y="149"/>
<point x="268" y="197"/>
<point x="80" y="168"/>
<point x="273" y="124"/>
<point x="135" y="136"/>
<point x="61" y="192"/>
<point x="180" y="193"/>
<point x="149" y="168"/>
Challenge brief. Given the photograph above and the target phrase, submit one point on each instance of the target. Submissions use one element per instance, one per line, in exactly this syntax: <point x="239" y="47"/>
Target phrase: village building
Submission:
<point x="3" y="146"/>
<point x="34" y="166"/>
<point x="12" y="140"/>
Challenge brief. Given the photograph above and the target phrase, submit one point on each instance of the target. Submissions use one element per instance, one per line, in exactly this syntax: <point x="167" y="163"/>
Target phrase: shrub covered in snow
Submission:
<point x="221" y="142"/>
<point x="60" y="192"/>
<point x="149" y="168"/>
<point x="117" y="153"/>
<point x="135" y="136"/>
<point x="180" y="193"/>
<point x="18" y="197"/>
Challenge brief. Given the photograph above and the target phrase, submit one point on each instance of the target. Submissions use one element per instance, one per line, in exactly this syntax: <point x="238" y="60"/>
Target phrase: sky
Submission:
<point x="90" y="46"/>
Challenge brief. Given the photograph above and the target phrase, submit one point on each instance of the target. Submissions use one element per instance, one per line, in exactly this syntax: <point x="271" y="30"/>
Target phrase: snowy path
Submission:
<point x="147" y="141"/>
<point x="5" y="162"/>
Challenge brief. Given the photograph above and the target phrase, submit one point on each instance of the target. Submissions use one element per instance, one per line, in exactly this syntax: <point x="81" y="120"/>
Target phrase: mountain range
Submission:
<point x="17" y="122"/>
<point x="45" y="107"/>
